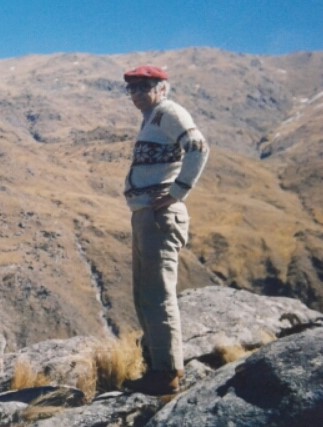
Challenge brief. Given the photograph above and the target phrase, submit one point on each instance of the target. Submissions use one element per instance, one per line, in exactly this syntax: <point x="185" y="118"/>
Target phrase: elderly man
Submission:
<point x="168" y="158"/>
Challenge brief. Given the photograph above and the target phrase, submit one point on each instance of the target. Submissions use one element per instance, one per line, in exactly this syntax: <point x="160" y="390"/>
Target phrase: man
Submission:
<point x="168" y="158"/>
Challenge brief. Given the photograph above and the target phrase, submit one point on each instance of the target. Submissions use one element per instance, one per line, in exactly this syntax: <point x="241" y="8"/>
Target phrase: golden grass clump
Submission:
<point x="24" y="376"/>
<point x="107" y="367"/>
<point x="227" y="351"/>
<point x="110" y="364"/>
<point x="123" y="360"/>
<point x="230" y="353"/>
<point x="88" y="382"/>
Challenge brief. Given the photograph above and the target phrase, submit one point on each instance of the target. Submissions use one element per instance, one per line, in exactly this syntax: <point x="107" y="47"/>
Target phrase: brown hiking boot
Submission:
<point x="156" y="383"/>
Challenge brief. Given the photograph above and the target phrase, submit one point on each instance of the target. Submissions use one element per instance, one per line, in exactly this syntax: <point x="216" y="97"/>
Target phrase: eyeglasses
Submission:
<point x="145" y="87"/>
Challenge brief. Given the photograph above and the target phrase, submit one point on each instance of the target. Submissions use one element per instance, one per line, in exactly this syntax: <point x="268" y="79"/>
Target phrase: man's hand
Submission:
<point x="163" y="202"/>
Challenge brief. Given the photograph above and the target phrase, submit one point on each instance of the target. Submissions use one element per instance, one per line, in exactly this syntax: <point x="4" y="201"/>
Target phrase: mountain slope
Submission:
<point x="66" y="134"/>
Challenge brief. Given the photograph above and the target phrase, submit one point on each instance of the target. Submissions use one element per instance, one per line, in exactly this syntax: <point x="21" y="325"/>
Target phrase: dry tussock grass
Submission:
<point x="123" y="361"/>
<point x="226" y="351"/>
<point x="109" y="366"/>
<point x="231" y="353"/>
<point x="88" y="382"/>
<point x="25" y="377"/>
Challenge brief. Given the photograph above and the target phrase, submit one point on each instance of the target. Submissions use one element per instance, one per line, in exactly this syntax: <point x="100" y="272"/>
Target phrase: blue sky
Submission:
<point x="266" y="27"/>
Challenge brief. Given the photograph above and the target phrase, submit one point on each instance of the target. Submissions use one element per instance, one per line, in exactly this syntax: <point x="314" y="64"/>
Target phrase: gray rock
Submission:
<point x="3" y="343"/>
<point x="124" y="410"/>
<point x="215" y="317"/>
<point x="195" y="371"/>
<point x="51" y="396"/>
<point x="68" y="359"/>
<point x="10" y="412"/>
<point x="279" y="386"/>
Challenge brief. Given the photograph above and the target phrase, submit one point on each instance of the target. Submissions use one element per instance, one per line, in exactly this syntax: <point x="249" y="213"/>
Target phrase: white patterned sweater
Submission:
<point x="168" y="158"/>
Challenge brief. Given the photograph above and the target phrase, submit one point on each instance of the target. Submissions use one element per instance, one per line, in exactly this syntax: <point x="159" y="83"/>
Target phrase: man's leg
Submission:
<point x="136" y="281"/>
<point x="159" y="237"/>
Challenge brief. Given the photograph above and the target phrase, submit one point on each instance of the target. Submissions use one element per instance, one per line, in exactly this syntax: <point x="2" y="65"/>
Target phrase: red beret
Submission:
<point x="146" y="71"/>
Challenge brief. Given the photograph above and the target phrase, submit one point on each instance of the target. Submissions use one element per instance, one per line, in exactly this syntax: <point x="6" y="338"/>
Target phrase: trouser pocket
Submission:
<point x="173" y="223"/>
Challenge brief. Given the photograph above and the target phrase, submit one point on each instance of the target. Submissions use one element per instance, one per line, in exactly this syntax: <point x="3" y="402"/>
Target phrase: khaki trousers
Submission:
<point x="158" y="237"/>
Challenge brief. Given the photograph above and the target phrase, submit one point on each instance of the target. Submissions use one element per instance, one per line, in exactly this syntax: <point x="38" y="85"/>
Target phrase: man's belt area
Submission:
<point x="151" y="190"/>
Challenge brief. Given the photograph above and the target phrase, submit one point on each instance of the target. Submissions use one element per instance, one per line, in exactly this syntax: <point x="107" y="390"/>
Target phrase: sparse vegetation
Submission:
<point x="25" y="377"/>
<point x="88" y="382"/>
<point x="123" y="361"/>
<point x="108" y="366"/>
<point x="226" y="352"/>
<point x="231" y="353"/>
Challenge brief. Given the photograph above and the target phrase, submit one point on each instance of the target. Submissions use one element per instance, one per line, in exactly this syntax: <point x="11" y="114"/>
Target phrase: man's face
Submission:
<point x="144" y="93"/>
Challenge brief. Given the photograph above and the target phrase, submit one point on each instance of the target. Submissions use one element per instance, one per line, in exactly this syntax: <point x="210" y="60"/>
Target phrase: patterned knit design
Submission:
<point x="151" y="152"/>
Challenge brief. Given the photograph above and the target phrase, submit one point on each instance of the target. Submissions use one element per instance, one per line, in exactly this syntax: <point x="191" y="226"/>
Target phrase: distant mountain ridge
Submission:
<point x="66" y="134"/>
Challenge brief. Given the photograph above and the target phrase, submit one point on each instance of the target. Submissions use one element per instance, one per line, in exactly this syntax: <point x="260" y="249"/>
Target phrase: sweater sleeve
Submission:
<point x="196" y="152"/>
<point x="180" y="127"/>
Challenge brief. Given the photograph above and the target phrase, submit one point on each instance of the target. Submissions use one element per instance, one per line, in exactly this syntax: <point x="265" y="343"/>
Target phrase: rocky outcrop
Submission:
<point x="54" y="396"/>
<point x="112" y="409"/>
<point x="216" y="317"/>
<point x="233" y="372"/>
<point x="279" y="386"/>
<point x="59" y="359"/>
<point x="10" y="413"/>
